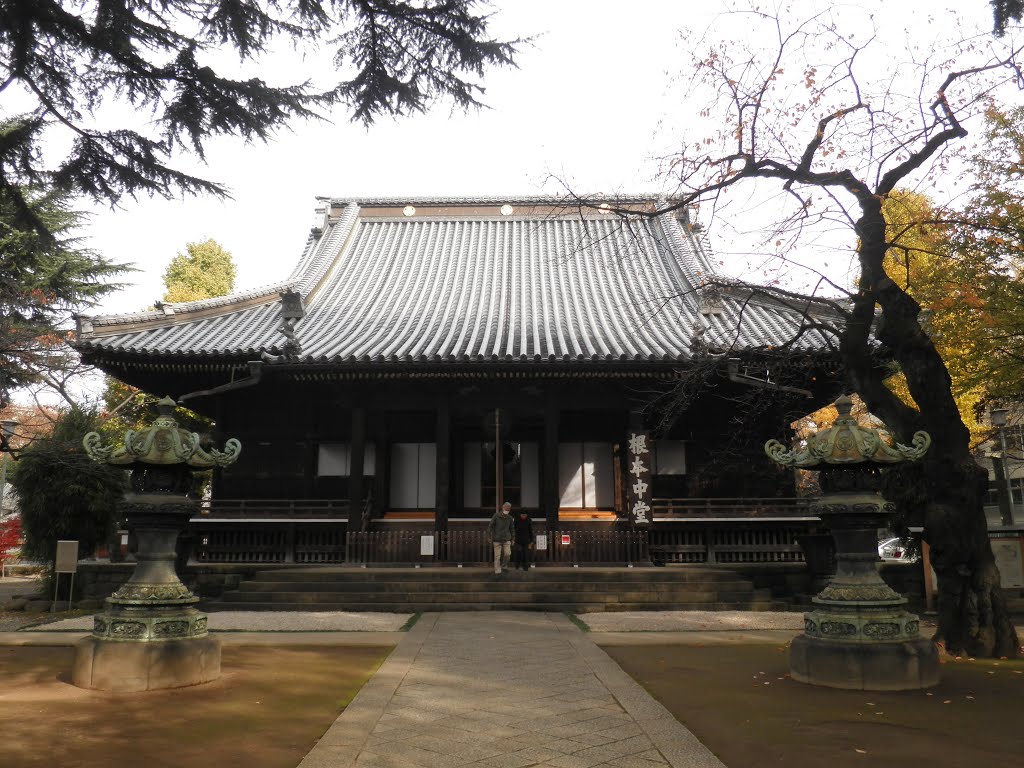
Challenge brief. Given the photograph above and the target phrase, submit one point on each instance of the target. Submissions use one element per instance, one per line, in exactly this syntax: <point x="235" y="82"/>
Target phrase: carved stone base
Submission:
<point x="109" y="665"/>
<point x="869" y="625"/>
<point x="903" y="666"/>
<point x="143" y="626"/>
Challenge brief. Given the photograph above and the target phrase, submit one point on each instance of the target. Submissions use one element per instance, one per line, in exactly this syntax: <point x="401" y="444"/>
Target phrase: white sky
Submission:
<point x="593" y="102"/>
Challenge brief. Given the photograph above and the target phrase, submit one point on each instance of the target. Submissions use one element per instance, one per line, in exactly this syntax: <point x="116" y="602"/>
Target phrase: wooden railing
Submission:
<point x="704" y="531"/>
<point x="664" y="508"/>
<point x="735" y="508"/>
<point x="728" y="544"/>
<point x="299" y="509"/>
<point x="325" y="545"/>
<point x="473" y="547"/>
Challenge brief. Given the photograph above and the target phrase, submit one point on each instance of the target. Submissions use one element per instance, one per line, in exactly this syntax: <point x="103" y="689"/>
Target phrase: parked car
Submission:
<point x="893" y="549"/>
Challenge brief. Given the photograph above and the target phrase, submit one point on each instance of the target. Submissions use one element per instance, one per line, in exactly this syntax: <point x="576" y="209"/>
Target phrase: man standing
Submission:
<point x="523" y="540"/>
<point x="500" y="532"/>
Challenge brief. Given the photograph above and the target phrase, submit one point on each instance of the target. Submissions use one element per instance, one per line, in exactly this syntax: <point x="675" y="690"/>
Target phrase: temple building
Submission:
<point x="430" y="358"/>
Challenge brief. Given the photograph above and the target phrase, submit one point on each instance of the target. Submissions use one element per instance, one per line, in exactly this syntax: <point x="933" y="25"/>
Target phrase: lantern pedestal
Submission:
<point x="858" y="636"/>
<point x="150" y="636"/>
<point x="107" y="665"/>
<point x="891" y="666"/>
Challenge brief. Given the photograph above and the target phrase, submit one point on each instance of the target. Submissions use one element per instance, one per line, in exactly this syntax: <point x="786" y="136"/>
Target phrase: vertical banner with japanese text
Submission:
<point x="638" y="467"/>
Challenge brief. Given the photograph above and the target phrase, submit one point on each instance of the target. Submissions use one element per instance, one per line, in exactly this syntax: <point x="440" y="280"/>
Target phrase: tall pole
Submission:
<point x="997" y="418"/>
<point x="498" y="484"/>
<point x="1007" y="517"/>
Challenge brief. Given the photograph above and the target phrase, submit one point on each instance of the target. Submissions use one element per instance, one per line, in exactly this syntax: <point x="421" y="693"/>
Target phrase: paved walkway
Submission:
<point x="504" y="690"/>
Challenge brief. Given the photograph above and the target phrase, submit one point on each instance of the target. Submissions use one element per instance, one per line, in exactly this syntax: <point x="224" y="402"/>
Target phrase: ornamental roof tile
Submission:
<point x="456" y="282"/>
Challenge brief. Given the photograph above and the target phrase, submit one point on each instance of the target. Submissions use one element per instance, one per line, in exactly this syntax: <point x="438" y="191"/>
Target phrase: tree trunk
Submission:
<point x="973" y="615"/>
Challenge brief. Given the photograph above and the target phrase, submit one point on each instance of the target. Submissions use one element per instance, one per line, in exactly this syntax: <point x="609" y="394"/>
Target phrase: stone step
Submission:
<point x="439" y="597"/>
<point x="574" y="607"/>
<point x="590" y="575"/>
<point x="506" y="583"/>
<point x="543" y="588"/>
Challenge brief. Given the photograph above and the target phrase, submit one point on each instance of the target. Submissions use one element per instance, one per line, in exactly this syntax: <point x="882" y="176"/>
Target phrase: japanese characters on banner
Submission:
<point x="638" y="468"/>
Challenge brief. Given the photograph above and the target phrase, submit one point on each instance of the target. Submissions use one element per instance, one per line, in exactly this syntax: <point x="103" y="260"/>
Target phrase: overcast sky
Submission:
<point x="594" y="101"/>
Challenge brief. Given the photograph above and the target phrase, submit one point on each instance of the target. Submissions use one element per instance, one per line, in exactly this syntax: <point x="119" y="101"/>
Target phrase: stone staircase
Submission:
<point x="479" y="589"/>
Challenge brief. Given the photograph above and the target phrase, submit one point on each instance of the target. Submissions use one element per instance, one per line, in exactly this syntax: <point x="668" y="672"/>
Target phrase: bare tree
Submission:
<point x="816" y="109"/>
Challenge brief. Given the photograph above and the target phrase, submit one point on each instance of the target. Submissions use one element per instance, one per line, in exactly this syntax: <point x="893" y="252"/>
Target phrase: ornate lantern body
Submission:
<point x="859" y="635"/>
<point x="150" y="636"/>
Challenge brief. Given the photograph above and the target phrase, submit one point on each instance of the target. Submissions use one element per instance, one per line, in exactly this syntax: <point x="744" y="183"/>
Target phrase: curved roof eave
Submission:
<point x="450" y="288"/>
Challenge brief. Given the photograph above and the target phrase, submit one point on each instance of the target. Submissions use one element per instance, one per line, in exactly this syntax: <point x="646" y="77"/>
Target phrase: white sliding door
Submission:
<point x="585" y="475"/>
<point x="413" y="475"/>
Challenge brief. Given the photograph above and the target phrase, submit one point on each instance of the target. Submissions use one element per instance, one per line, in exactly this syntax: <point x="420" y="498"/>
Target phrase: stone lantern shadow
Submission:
<point x="859" y="635"/>
<point x="150" y="636"/>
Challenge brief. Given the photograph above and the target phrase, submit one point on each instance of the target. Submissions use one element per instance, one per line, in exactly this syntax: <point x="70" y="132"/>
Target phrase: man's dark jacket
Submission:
<point x="523" y="530"/>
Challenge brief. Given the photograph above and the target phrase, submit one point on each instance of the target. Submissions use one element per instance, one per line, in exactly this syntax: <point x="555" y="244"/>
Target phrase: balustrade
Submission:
<point x="696" y="531"/>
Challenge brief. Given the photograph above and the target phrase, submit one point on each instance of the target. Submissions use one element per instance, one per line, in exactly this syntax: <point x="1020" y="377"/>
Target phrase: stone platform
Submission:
<point x="907" y="666"/>
<point x="126" y="667"/>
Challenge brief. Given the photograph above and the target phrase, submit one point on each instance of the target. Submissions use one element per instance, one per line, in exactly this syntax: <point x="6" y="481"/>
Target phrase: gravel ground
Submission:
<point x="13" y="621"/>
<point x="690" y="621"/>
<point x="335" y="621"/>
<point x="17" y="585"/>
<point x="272" y="621"/>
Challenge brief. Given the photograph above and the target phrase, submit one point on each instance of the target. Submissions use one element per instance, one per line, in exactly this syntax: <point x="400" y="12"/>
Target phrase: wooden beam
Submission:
<point x="550" y="496"/>
<point x="357" y="452"/>
<point x="443" y="438"/>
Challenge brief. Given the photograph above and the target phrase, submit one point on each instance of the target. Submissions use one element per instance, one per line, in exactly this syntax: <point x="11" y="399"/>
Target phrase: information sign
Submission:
<point x="1008" y="559"/>
<point x="67" y="562"/>
<point x="639" y="472"/>
<point x="67" y="557"/>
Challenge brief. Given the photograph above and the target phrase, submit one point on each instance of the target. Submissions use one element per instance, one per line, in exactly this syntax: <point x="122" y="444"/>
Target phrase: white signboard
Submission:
<point x="67" y="557"/>
<point x="1008" y="559"/>
<point x="542" y="541"/>
<point x="427" y="545"/>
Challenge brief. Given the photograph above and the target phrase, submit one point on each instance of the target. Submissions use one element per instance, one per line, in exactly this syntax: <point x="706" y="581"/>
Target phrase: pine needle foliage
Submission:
<point x="161" y="58"/>
<point x="42" y="281"/>
<point x="1004" y="12"/>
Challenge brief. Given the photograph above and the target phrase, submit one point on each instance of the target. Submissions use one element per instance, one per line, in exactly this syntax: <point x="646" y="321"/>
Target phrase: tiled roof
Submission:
<point x="462" y="283"/>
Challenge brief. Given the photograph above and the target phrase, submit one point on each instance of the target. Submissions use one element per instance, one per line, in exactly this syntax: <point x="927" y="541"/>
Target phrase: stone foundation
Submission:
<point x="906" y="666"/>
<point x="111" y="665"/>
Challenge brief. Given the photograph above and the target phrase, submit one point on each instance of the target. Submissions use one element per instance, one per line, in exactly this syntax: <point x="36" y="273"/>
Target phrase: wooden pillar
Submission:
<point x="357" y="451"/>
<point x="311" y="444"/>
<point x="309" y="469"/>
<point x="550" y="492"/>
<point x="217" y="476"/>
<point x="443" y="439"/>
<point x="289" y="543"/>
<point x="382" y="479"/>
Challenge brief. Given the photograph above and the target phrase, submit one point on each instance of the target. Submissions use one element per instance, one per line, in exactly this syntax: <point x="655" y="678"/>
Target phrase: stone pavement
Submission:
<point x="504" y="690"/>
